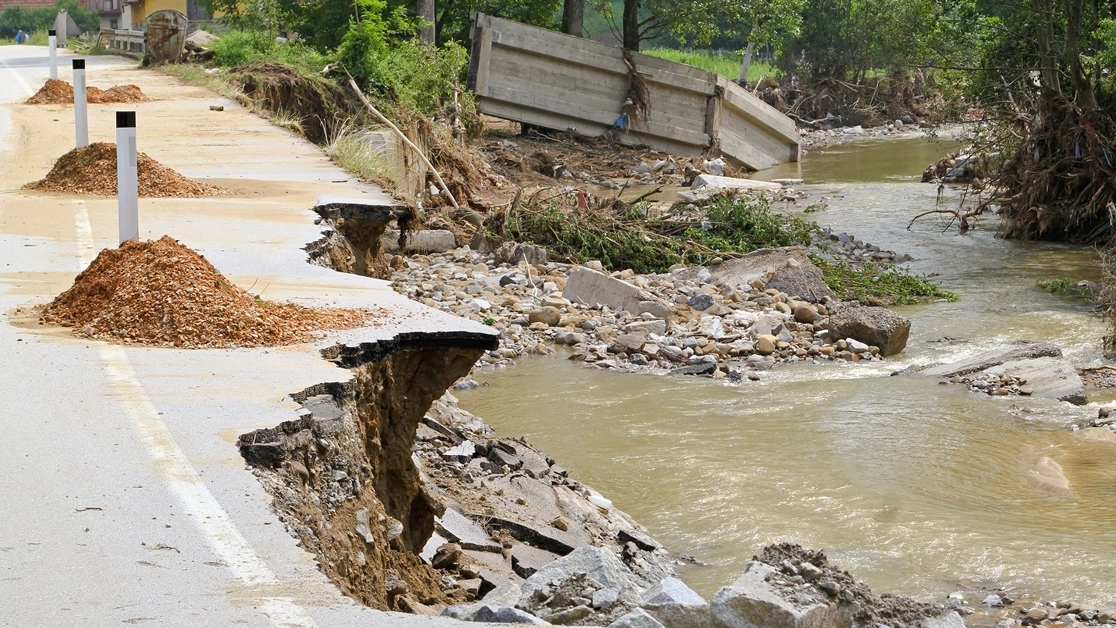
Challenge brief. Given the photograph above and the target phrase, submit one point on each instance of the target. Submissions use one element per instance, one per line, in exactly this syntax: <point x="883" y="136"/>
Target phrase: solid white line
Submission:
<point x="207" y="514"/>
<point x="18" y="78"/>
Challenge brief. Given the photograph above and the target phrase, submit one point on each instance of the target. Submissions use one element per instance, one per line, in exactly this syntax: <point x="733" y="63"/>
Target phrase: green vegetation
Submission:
<point x="240" y="47"/>
<point x="879" y="284"/>
<point x="1056" y="286"/>
<point x="16" y="18"/>
<point x="347" y="150"/>
<point x="620" y="239"/>
<point x="723" y="228"/>
<point x="720" y="62"/>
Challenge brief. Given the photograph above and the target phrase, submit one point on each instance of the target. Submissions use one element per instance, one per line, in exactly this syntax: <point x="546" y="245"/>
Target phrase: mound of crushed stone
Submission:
<point x="56" y="92"/>
<point x="92" y="170"/>
<point x="163" y="293"/>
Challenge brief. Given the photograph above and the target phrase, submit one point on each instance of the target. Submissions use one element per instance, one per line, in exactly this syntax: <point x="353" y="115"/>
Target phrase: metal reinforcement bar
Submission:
<point x="552" y="80"/>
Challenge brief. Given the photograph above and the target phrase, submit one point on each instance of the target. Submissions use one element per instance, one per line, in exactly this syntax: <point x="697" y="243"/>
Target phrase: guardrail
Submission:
<point x="548" y="79"/>
<point x="126" y="40"/>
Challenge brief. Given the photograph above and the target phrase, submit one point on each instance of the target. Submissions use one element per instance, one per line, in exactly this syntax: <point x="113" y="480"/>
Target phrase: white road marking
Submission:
<point x="207" y="514"/>
<point x="18" y="78"/>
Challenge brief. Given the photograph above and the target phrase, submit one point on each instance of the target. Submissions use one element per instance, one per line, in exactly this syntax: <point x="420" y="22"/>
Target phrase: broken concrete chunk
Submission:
<point x="676" y="605"/>
<point x="598" y="564"/>
<point x="672" y="591"/>
<point x="638" y="618"/>
<point x="527" y="560"/>
<point x="465" y="532"/>
<point x="753" y="601"/>
<point x="642" y="541"/>
<point x="461" y="453"/>
<point x="595" y="289"/>
<point x="714" y="182"/>
<point x="505" y="615"/>
<point x="425" y="241"/>
<point x="507" y="594"/>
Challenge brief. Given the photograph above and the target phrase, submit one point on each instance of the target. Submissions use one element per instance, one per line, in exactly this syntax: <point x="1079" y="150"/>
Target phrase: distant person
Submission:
<point x="20" y="37"/>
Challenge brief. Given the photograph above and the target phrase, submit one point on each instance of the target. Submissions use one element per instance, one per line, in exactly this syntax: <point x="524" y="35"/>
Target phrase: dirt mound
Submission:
<point x="163" y="293"/>
<point x="316" y="103"/>
<point x="56" y="92"/>
<point x="92" y="170"/>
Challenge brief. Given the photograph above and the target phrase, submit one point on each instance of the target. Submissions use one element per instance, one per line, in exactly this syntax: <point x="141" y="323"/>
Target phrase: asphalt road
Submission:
<point x="122" y="496"/>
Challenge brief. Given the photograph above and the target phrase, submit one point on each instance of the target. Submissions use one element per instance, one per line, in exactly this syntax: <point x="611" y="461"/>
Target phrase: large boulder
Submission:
<point x="873" y="326"/>
<point x="803" y="280"/>
<point x="753" y="602"/>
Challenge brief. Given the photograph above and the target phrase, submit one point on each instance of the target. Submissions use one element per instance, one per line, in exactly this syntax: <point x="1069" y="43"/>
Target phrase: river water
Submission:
<point x="913" y="486"/>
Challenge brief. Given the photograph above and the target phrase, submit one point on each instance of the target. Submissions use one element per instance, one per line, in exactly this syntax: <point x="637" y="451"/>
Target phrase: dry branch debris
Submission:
<point x="163" y="293"/>
<point x="56" y="92"/>
<point x="92" y="170"/>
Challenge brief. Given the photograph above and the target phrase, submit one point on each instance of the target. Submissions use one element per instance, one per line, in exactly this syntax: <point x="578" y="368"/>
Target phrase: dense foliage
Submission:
<point x="15" y="18"/>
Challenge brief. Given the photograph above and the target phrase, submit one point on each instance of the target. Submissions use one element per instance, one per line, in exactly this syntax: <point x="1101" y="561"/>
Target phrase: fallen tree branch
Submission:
<point x="408" y="142"/>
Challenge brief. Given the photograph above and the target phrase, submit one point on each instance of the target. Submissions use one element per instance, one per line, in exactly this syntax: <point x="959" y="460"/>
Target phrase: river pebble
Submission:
<point x="736" y="330"/>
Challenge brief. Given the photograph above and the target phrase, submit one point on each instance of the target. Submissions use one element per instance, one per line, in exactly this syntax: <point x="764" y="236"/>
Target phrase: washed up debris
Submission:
<point x="163" y="293"/>
<point x="92" y="170"/>
<point x="56" y="92"/>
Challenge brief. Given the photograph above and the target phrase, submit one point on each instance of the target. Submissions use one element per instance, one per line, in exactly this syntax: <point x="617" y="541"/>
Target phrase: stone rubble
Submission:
<point x="729" y="320"/>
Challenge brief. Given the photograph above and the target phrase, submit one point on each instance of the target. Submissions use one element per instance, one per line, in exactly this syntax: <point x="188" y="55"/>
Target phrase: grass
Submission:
<point x="38" y="38"/>
<point x="879" y="284"/>
<point x="725" y="63"/>
<point x="348" y="150"/>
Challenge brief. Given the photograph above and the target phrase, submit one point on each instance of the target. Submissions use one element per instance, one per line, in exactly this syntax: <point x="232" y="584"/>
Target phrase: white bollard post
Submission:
<point x="81" y="116"/>
<point x="52" y="43"/>
<point x="127" y="182"/>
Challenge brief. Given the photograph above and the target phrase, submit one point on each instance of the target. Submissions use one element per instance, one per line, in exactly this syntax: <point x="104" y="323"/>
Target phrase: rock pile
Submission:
<point x="163" y="293"/>
<point x="727" y="320"/>
<point x="786" y="586"/>
<point x="511" y="513"/>
<point x="56" y="92"/>
<point x="92" y="170"/>
<point x="994" y="384"/>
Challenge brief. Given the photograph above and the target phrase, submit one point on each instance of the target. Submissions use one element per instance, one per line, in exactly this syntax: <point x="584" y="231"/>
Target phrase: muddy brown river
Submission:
<point x="915" y="487"/>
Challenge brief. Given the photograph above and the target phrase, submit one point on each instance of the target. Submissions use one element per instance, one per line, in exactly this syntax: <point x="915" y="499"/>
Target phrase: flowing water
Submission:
<point x="914" y="486"/>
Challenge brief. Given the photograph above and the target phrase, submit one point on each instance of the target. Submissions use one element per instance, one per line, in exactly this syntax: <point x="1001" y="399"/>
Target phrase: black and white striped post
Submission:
<point x="81" y="115"/>
<point x="52" y="45"/>
<point x="127" y="183"/>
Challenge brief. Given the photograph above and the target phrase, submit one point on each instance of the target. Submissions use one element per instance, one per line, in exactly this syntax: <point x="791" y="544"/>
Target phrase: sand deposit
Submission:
<point x="92" y="170"/>
<point x="163" y="293"/>
<point x="56" y="92"/>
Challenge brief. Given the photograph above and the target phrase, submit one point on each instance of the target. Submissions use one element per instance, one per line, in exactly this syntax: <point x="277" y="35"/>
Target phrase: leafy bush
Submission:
<point x="16" y="18"/>
<point x="421" y="76"/>
<point x="241" y="47"/>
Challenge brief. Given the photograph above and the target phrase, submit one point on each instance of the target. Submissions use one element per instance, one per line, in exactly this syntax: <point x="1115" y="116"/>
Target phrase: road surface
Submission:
<point x="124" y="497"/>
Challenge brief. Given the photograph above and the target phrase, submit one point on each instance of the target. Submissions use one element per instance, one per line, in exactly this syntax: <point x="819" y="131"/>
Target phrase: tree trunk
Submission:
<point x="743" y="78"/>
<point x="425" y="10"/>
<point x="573" y="17"/>
<point x="1081" y="83"/>
<point x="631" y="25"/>
<point x="1044" y="38"/>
